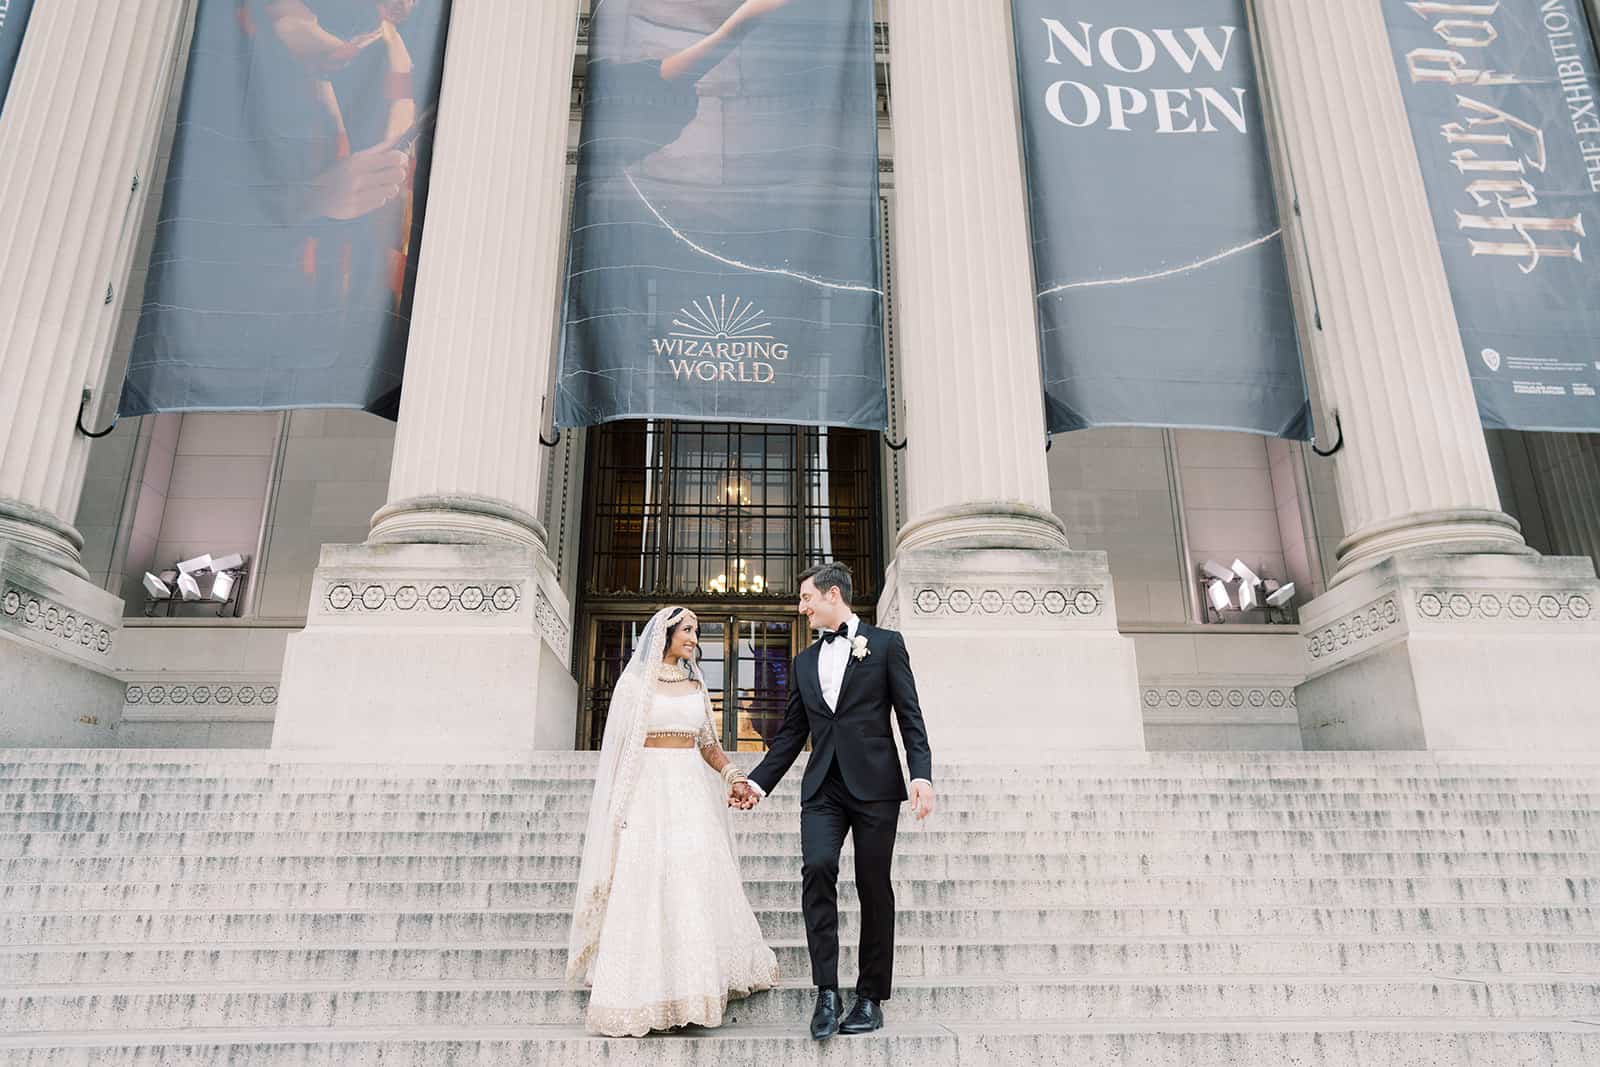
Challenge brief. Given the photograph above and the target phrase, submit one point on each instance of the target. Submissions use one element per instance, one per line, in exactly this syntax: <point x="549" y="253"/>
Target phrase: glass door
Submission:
<point x="752" y="652"/>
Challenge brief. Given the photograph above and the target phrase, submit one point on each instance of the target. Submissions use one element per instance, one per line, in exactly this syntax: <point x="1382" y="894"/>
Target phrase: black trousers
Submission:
<point x="824" y="821"/>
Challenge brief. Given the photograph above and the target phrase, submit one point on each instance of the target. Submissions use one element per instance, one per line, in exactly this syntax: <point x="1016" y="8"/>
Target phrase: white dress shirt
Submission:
<point x="832" y="659"/>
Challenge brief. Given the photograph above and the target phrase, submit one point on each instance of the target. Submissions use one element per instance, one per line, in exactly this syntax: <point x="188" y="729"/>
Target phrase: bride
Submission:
<point x="662" y="932"/>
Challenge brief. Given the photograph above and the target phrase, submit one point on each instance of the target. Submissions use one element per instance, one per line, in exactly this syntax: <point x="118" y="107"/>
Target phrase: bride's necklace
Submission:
<point x="669" y="672"/>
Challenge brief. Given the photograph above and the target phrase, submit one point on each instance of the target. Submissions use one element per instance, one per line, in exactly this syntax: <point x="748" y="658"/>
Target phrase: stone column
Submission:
<point x="81" y="122"/>
<point x="1013" y="634"/>
<point x="1442" y="630"/>
<point x="453" y="591"/>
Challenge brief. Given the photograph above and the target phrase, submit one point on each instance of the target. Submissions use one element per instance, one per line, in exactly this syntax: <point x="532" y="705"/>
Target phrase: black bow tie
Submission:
<point x="828" y="635"/>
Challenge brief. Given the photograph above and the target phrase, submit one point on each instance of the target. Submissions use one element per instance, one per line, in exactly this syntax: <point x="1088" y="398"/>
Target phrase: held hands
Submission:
<point x="921" y="799"/>
<point x="741" y="796"/>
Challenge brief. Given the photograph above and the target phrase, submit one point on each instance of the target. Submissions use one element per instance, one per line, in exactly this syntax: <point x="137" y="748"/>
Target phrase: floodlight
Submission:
<point x="1247" y="596"/>
<point x="227" y="563"/>
<point x="1218" y="592"/>
<point x="157" y="589"/>
<point x="1216" y="570"/>
<point x="199" y="563"/>
<point x="1282" y="597"/>
<point x="1245" y="574"/>
<point x="222" y="587"/>
<point x="188" y="586"/>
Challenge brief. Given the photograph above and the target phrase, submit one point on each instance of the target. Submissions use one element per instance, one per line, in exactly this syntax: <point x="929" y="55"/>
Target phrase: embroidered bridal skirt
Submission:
<point x="679" y="940"/>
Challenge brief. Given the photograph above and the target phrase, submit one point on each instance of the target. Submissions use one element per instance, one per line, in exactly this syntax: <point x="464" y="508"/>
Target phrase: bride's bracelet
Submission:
<point x="732" y="775"/>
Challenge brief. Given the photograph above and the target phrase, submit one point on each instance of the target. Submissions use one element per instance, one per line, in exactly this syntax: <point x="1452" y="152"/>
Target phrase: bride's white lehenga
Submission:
<point x="679" y="939"/>
<point x="669" y="938"/>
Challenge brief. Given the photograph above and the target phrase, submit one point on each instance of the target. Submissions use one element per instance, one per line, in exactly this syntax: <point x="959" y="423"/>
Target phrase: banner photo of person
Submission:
<point x="13" y="23"/>
<point x="1162" y="290"/>
<point x="286" y="248"/>
<point x="724" y="256"/>
<point x="1504" y="107"/>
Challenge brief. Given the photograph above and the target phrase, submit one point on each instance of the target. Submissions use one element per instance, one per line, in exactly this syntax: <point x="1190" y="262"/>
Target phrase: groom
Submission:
<point x="841" y="690"/>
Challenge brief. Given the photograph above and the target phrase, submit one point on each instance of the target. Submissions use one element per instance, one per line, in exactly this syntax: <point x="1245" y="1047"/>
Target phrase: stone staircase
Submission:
<point x="1275" y="908"/>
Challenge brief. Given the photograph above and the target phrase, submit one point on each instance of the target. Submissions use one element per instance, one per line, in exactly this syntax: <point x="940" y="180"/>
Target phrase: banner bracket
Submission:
<point x="901" y="447"/>
<point x="550" y="444"/>
<point x="1338" y="446"/>
<point x="91" y="434"/>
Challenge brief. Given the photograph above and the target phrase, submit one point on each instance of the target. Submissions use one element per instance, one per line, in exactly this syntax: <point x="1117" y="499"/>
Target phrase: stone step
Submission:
<point x="1194" y="890"/>
<point x="1269" y="761"/>
<point x="788" y="802"/>
<point x="298" y="867"/>
<point x="313" y="926"/>
<point x="1003" y="785"/>
<point x="1239" y="954"/>
<point x="1012" y="819"/>
<point x="925" y="839"/>
<point x="1379" y="1042"/>
<point x="152" y="1005"/>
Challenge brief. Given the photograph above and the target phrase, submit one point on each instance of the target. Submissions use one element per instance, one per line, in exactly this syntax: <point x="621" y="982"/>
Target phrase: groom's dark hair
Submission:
<point x="830" y="575"/>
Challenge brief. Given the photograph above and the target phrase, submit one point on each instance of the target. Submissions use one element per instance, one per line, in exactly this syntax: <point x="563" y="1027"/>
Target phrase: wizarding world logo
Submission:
<point x="718" y="339"/>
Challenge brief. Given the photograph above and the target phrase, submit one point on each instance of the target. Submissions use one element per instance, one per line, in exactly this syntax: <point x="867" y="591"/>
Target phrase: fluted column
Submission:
<point x="467" y="456"/>
<point x="82" y="119"/>
<point x="1414" y="472"/>
<point x="1567" y="467"/>
<point x="964" y="281"/>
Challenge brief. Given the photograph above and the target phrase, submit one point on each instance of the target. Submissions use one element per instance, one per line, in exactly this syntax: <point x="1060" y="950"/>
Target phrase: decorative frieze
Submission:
<point x="57" y="623"/>
<point x="1500" y="605"/>
<point x="201" y="694"/>
<point x="1218" y="697"/>
<point x="423" y="597"/>
<point x="1358" y="628"/>
<point x="1060" y="601"/>
<point x="555" y="631"/>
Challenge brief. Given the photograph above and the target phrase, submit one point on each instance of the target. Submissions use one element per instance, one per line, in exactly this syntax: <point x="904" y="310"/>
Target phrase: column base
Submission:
<point x="428" y="653"/>
<point x="1016" y="650"/>
<point x="57" y="635"/>
<point x="1451" y="651"/>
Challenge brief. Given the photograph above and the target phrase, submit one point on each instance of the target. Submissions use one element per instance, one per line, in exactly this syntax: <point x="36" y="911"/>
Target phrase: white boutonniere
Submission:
<point x="858" y="648"/>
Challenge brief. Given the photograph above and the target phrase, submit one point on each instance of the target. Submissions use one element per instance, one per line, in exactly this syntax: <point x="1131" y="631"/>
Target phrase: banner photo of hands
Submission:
<point x="1162" y="291"/>
<point x="286" y="249"/>
<point x="724" y="257"/>
<point x="13" y="22"/>
<point x="1505" y="112"/>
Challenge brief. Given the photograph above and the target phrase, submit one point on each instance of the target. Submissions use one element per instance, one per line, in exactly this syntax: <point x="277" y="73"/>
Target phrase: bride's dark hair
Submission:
<point x="674" y="620"/>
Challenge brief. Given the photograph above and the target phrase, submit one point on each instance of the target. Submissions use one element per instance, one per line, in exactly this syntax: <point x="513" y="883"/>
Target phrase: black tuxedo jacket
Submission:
<point x="856" y="732"/>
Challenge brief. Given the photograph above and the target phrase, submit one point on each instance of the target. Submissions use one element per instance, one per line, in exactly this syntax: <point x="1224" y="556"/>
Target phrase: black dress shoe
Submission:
<point x="866" y="1015"/>
<point x="825" y="1019"/>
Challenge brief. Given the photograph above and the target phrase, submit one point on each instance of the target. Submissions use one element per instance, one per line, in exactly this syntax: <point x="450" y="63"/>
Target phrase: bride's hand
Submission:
<point x="741" y="796"/>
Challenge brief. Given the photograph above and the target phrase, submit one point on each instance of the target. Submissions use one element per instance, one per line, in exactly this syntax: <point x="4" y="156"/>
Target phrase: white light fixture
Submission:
<point x="157" y="589"/>
<point x="1247" y="596"/>
<point x="188" y="587"/>
<point x="1216" y="570"/>
<point x="1282" y="596"/>
<point x="1246" y="575"/>
<point x="227" y="563"/>
<point x="199" y="563"/>
<point x="1218" y="592"/>
<point x="222" y="587"/>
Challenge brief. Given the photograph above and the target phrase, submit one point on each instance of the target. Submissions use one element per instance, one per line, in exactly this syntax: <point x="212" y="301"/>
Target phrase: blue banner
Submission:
<point x="724" y="257"/>
<point x="1505" y="112"/>
<point x="286" y="248"/>
<point x="13" y="23"/>
<point x="1163" y="295"/>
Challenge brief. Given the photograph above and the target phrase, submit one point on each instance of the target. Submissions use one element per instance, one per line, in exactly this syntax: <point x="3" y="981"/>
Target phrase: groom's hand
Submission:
<point x="921" y="799"/>
<point x="743" y="797"/>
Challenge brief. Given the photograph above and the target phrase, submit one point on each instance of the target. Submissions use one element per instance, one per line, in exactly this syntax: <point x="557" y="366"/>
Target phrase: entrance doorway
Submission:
<point x="720" y="518"/>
